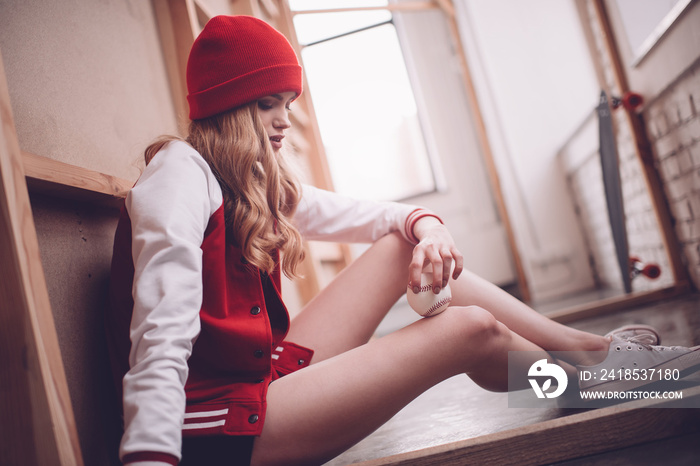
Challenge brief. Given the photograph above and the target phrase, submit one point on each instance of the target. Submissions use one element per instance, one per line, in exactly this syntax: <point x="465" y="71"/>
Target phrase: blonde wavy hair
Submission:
<point x="260" y="191"/>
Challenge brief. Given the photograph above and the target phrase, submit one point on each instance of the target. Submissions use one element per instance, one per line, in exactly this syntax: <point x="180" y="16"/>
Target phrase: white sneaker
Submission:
<point x="644" y="333"/>
<point x="631" y="364"/>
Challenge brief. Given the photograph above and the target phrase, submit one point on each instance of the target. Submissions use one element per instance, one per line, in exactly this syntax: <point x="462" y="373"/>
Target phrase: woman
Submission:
<point x="202" y="348"/>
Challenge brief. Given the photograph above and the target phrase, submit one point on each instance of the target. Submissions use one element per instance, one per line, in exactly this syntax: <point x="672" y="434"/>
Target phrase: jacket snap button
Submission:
<point x="301" y="362"/>
<point x="253" y="418"/>
<point x="259" y="353"/>
<point x="255" y="310"/>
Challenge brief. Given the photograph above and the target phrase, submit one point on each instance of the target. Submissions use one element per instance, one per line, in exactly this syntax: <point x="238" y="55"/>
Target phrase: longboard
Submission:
<point x="613" y="189"/>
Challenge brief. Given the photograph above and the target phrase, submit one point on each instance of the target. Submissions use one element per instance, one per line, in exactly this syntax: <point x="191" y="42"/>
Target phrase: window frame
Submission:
<point x="439" y="183"/>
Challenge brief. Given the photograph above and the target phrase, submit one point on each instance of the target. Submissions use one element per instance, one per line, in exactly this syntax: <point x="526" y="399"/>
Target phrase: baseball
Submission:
<point x="425" y="302"/>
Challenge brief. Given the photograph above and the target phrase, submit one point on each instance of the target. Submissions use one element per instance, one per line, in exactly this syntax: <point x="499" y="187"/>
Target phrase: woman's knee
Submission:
<point x="473" y="326"/>
<point x="480" y="344"/>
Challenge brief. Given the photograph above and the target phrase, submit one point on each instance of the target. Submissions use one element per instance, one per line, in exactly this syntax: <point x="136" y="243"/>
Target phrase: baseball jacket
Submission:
<point x="196" y="334"/>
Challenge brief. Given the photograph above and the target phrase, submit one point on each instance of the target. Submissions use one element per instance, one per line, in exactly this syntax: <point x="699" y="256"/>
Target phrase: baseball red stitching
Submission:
<point x="438" y="305"/>
<point x="423" y="288"/>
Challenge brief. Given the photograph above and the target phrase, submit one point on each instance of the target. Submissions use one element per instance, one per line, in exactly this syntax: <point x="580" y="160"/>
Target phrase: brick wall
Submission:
<point x="587" y="191"/>
<point x="643" y="230"/>
<point x="673" y="126"/>
<point x="581" y="160"/>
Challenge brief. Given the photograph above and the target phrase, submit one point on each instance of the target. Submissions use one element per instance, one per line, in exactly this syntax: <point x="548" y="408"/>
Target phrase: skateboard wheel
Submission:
<point x="651" y="271"/>
<point x="631" y="101"/>
<point x="637" y="267"/>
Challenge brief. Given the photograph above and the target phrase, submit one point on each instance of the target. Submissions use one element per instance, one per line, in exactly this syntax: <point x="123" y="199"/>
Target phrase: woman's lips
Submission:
<point x="276" y="141"/>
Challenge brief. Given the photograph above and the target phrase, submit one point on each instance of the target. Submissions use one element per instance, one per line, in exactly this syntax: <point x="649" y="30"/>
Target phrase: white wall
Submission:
<point x="536" y="85"/>
<point x="467" y="204"/>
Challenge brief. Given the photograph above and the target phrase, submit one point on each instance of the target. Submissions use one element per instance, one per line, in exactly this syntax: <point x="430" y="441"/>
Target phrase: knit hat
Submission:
<point x="236" y="60"/>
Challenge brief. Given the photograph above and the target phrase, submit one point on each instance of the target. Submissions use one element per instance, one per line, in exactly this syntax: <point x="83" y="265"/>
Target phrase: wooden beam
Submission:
<point x="67" y="181"/>
<point x="617" y="303"/>
<point x="447" y="7"/>
<point x="318" y="163"/>
<point x="37" y="426"/>
<point x="404" y="6"/>
<point x="247" y="7"/>
<point x="203" y="13"/>
<point x="564" y="438"/>
<point x="178" y="26"/>
<point x="270" y="8"/>
<point x="315" y="156"/>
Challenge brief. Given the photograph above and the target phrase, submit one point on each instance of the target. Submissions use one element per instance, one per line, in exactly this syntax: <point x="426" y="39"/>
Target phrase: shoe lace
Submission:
<point x="645" y="341"/>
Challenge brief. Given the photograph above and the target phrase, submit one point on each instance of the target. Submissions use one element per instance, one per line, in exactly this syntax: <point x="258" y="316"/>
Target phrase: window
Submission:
<point x="363" y="99"/>
<point x="646" y="21"/>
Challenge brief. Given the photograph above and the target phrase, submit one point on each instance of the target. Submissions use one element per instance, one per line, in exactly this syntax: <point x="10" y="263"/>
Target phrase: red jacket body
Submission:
<point x="196" y="334"/>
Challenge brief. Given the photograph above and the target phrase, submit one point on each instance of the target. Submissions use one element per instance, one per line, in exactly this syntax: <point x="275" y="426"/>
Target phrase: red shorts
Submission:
<point x="220" y="450"/>
<point x="236" y="450"/>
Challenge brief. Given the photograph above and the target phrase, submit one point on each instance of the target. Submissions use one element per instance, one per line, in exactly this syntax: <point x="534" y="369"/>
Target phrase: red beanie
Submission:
<point x="236" y="60"/>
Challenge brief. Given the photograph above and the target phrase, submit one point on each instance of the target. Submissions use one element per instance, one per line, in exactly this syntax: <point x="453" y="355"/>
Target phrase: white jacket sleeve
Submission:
<point x="328" y="216"/>
<point x="169" y="208"/>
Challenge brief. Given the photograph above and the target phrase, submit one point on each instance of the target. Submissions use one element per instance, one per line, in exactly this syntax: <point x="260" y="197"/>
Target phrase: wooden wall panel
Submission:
<point x="36" y="417"/>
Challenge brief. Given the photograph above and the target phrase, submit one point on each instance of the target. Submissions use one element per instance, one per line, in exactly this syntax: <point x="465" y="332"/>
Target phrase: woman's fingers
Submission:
<point x="415" y="269"/>
<point x="459" y="263"/>
<point x="447" y="262"/>
<point x="435" y="253"/>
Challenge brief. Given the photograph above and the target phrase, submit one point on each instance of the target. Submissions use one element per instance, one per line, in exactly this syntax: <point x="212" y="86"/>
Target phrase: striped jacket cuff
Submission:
<point x="151" y="456"/>
<point x="411" y="220"/>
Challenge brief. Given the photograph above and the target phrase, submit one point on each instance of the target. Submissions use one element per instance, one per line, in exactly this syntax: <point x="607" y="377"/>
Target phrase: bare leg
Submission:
<point x="470" y="289"/>
<point x="348" y="311"/>
<point x="318" y="412"/>
<point x="352" y="388"/>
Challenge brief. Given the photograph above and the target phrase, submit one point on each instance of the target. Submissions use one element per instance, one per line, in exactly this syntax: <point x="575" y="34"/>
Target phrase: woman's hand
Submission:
<point x="436" y="249"/>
